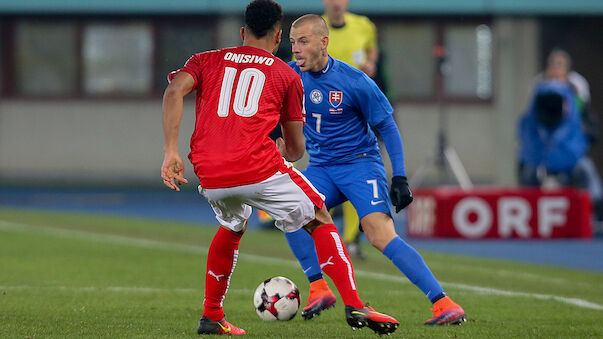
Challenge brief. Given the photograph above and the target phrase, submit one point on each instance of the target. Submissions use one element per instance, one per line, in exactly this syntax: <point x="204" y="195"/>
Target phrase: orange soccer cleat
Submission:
<point x="367" y="316"/>
<point x="207" y="326"/>
<point x="321" y="298"/>
<point x="446" y="312"/>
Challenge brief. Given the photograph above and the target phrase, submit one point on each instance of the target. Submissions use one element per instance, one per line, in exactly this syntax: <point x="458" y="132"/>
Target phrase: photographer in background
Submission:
<point x="553" y="144"/>
<point x="559" y="67"/>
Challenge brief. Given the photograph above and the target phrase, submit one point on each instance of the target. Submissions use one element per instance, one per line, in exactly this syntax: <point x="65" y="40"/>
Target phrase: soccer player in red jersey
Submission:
<point x="242" y="94"/>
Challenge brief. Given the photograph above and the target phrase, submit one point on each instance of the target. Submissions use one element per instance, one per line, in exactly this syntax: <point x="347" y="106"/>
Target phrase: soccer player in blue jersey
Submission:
<point x="342" y="104"/>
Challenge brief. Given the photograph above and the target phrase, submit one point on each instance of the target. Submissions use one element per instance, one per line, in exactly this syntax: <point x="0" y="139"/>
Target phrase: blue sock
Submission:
<point x="412" y="265"/>
<point x="302" y="246"/>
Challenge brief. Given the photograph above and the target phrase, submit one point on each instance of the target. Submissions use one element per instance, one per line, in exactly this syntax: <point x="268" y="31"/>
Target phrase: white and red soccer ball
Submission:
<point x="276" y="298"/>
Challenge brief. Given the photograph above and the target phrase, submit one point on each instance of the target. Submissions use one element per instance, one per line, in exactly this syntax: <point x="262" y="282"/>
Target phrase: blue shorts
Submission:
<point x="362" y="182"/>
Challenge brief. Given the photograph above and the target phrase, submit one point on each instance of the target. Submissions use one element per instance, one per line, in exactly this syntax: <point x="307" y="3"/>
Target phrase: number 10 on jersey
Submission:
<point x="247" y="94"/>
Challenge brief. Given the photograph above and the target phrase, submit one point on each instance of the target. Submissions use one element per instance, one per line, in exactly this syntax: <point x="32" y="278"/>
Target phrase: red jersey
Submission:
<point x="242" y="94"/>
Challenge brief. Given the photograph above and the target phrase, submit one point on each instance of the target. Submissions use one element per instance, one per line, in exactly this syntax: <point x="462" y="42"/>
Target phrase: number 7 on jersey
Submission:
<point x="318" y="119"/>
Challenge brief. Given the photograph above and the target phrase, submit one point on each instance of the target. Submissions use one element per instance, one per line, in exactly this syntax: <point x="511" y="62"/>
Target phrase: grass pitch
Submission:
<point x="80" y="275"/>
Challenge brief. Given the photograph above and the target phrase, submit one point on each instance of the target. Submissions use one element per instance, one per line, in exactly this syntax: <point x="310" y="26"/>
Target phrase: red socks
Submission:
<point x="224" y="251"/>
<point x="221" y="261"/>
<point x="335" y="262"/>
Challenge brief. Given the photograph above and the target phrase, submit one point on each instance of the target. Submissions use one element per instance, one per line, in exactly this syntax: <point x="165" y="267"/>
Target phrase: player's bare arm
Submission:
<point x="172" y="170"/>
<point x="292" y="145"/>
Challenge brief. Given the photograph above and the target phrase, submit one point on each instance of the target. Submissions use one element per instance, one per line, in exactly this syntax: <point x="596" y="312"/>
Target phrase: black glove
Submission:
<point x="400" y="193"/>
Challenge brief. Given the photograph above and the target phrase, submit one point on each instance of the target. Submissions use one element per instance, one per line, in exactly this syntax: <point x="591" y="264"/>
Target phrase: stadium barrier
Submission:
<point x="499" y="213"/>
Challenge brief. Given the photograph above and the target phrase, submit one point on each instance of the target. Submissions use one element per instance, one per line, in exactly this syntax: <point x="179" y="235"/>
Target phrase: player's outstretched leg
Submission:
<point x="207" y="326"/>
<point x="321" y="298"/>
<point x="367" y="316"/>
<point x="410" y="262"/>
<point x="335" y="262"/>
<point x="446" y="312"/>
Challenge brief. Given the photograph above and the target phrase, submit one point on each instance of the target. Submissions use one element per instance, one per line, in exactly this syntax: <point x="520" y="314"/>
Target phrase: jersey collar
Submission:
<point x="325" y="69"/>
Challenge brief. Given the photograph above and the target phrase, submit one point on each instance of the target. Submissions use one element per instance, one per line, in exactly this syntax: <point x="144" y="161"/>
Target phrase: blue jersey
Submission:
<point x="341" y="102"/>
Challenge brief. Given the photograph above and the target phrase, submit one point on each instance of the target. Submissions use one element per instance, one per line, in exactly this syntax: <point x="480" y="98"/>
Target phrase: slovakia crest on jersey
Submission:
<point x="335" y="98"/>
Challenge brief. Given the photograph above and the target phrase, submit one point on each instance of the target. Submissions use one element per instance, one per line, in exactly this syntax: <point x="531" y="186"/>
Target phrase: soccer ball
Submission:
<point x="276" y="298"/>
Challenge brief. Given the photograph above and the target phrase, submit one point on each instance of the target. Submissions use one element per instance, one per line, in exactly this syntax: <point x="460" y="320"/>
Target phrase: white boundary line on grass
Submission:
<point x="127" y="289"/>
<point x="98" y="288"/>
<point x="155" y="244"/>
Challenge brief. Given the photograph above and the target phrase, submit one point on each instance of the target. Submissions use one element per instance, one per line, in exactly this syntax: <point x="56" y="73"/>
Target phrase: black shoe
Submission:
<point x="367" y="316"/>
<point x="207" y="326"/>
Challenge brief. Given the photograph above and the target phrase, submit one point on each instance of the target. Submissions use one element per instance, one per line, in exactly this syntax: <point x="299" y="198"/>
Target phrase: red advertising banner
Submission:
<point x="490" y="212"/>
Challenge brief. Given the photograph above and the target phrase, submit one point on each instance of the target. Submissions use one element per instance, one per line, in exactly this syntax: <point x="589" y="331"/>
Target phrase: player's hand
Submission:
<point x="172" y="171"/>
<point x="400" y="193"/>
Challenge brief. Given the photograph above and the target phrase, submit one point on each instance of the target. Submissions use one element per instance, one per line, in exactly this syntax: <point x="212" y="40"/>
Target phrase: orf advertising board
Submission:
<point x="451" y="212"/>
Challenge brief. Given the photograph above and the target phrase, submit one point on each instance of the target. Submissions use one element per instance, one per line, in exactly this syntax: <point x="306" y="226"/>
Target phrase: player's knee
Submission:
<point x="323" y="216"/>
<point x="379" y="234"/>
<point x="379" y="241"/>
<point x="238" y="229"/>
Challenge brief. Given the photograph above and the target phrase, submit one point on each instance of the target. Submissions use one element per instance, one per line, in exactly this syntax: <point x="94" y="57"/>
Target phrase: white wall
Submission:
<point x="469" y="133"/>
<point x="84" y="141"/>
<point x="517" y="64"/>
<point x="105" y="141"/>
<point x="482" y="134"/>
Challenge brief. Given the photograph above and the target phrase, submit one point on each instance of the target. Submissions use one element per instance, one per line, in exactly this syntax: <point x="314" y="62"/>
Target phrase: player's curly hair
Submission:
<point x="262" y="16"/>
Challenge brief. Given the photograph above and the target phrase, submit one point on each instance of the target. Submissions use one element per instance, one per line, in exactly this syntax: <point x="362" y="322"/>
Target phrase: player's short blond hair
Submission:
<point x="318" y="23"/>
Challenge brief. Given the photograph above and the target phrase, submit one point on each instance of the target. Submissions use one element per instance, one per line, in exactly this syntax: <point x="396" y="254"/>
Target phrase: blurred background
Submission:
<point x="93" y="244"/>
<point x="81" y="84"/>
<point x="82" y="80"/>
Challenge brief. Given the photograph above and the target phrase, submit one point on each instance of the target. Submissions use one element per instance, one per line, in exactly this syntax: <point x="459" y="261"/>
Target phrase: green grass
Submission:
<point x="80" y="275"/>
